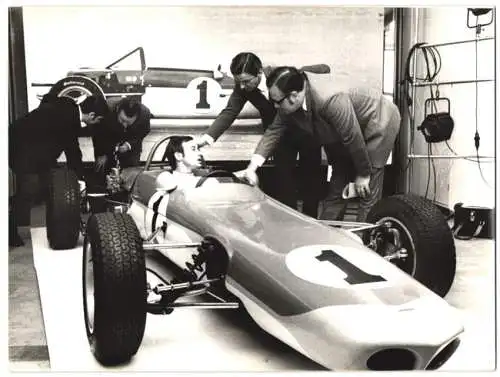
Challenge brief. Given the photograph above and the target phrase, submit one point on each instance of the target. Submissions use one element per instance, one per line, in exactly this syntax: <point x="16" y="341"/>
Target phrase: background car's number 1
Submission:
<point x="355" y="275"/>
<point x="204" y="95"/>
<point x="203" y="104"/>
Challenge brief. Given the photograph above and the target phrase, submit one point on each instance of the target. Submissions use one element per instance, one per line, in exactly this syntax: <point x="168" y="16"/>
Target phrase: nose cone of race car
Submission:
<point x="356" y="337"/>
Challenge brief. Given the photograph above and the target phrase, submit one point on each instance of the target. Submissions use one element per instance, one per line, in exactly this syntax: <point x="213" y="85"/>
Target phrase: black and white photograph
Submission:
<point x="268" y="187"/>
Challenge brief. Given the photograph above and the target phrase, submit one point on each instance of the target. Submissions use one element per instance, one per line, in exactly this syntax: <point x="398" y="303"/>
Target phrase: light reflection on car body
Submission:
<point x="291" y="273"/>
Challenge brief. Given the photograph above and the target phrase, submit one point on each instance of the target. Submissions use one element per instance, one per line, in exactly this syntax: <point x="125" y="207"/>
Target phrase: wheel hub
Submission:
<point x="76" y="93"/>
<point x="392" y="240"/>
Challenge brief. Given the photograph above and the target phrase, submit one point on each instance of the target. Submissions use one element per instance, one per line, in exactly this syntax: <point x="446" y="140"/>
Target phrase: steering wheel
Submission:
<point x="217" y="173"/>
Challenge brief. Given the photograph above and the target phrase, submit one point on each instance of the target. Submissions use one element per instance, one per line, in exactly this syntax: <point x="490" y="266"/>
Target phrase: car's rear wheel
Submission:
<point x="114" y="287"/>
<point x="63" y="209"/>
<point x="422" y="231"/>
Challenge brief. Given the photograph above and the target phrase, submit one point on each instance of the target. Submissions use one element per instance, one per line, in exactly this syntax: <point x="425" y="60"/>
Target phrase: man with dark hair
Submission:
<point x="357" y="127"/>
<point x="122" y="133"/>
<point x="176" y="153"/>
<point x="248" y="73"/>
<point x="185" y="158"/>
<point x="37" y="140"/>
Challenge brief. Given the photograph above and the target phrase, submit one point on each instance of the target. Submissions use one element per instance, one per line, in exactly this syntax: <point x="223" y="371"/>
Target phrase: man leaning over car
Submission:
<point x="38" y="139"/>
<point x="357" y="127"/>
<point x="249" y="74"/>
<point x="122" y="132"/>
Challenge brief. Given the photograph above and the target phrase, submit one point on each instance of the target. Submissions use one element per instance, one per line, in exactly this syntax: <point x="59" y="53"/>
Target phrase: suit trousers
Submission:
<point x="343" y="172"/>
<point x="288" y="186"/>
<point x="30" y="188"/>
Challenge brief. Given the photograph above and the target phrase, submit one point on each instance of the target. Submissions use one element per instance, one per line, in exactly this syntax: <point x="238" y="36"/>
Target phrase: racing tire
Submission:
<point x="63" y="209"/>
<point x="114" y="287"/>
<point x="76" y="86"/>
<point x="429" y="240"/>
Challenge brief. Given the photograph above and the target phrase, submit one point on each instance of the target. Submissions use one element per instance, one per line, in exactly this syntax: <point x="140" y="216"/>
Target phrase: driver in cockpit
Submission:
<point x="185" y="159"/>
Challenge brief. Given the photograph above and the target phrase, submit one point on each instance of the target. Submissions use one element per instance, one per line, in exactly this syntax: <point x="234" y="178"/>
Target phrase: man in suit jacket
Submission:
<point x="122" y="132"/>
<point x="357" y="128"/>
<point x="37" y="140"/>
<point x="247" y="70"/>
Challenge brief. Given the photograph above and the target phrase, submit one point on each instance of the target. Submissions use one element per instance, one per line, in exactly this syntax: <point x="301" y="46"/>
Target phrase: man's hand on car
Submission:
<point x="100" y="163"/>
<point x="124" y="147"/>
<point x="362" y="185"/>
<point x="249" y="175"/>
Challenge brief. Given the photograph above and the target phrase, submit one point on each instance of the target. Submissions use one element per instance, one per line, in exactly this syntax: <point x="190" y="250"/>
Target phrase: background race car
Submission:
<point x="170" y="93"/>
<point x="181" y="101"/>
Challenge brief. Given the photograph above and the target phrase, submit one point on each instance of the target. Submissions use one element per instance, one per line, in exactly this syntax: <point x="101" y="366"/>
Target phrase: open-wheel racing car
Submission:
<point x="169" y="93"/>
<point x="350" y="296"/>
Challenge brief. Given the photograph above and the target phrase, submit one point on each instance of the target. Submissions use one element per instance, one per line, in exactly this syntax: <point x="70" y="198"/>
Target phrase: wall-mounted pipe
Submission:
<point x="439" y="83"/>
<point x="458" y="42"/>
<point x="453" y="156"/>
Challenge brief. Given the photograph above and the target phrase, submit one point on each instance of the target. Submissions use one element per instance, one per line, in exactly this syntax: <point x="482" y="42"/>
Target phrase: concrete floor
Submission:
<point x="27" y="342"/>
<point x="217" y="340"/>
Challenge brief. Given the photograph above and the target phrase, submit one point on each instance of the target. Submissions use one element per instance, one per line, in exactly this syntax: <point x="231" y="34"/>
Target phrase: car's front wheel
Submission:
<point x="114" y="287"/>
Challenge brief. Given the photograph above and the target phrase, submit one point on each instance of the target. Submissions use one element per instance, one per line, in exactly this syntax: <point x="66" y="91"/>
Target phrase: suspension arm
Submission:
<point x="205" y="305"/>
<point x="351" y="226"/>
<point x="160" y="308"/>
<point x="156" y="246"/>
<point x="162" y="288"/>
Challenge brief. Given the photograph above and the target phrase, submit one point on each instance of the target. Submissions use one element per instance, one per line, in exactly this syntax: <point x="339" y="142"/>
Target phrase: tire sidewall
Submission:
<point x="117" y="303"/>
<point x="90" y="334"/>
<point x="434" y="247"/>
<point x="63" y="209"/>
<point x="77" y="83"/>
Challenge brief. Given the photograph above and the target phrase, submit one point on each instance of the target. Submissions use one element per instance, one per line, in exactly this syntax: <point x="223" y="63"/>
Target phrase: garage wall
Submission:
<point x="62" y="38"/>
<point x="458" y="180"/>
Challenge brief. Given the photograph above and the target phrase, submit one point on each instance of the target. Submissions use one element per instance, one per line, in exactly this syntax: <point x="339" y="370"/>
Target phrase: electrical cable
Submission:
<point x="428" y="171"/>
<point x="474" y="160"/>
<point x="430" y="161"/>
<point x="476" y="135"/>
<point x="434" y="175"/>
<point x="432" y="60"/>
<point x="433" y="67"/>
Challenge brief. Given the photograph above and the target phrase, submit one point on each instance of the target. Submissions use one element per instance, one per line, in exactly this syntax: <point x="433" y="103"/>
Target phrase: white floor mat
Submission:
<point x="202" y="340"/>
<point x="186" y="340"/>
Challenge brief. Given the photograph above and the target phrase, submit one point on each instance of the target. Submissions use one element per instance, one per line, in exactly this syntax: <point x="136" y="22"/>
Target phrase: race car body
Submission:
<point x="350" y="296"/>
<point x="314" y="287"/>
